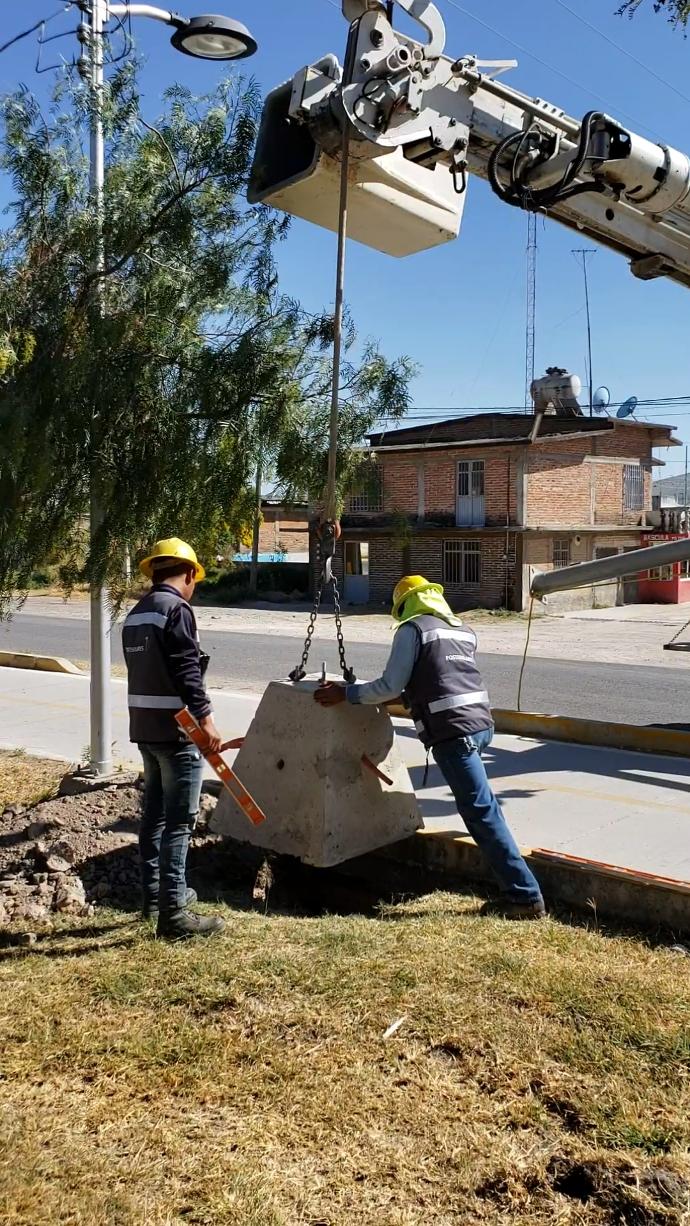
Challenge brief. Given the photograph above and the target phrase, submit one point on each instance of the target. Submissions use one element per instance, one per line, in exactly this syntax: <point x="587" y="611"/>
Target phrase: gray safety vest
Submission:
<point x="152" y="698"/>
<point x="446" y="693"/>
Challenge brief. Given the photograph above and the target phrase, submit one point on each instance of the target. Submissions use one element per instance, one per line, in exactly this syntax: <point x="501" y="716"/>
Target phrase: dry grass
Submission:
<point x="246" y="1080"/>
<point x="25" y="780"/>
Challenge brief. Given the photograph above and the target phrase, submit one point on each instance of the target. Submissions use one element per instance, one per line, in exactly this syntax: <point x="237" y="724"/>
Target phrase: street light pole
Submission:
<point x="209" y="38"/>
<point x="100" y="622"/>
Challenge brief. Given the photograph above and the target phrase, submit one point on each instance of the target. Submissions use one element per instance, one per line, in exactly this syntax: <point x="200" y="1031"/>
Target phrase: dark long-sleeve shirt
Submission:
<point x="181" y="645"/>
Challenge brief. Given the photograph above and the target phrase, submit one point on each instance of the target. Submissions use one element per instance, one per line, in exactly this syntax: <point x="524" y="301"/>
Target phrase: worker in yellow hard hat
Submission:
<point x="433" y="666"/>
<point x="165" y="673"/>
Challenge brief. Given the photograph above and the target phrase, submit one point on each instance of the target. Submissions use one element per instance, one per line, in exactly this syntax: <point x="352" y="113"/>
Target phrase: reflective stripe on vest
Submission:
<point x="458" y="700"/>
<point x="147" y="619"/>
<point x="155" y="702"/>
<point x="455" y="636"/>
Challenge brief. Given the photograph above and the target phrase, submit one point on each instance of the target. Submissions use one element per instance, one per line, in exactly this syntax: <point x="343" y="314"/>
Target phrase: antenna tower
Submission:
<point x="530" y="329"/>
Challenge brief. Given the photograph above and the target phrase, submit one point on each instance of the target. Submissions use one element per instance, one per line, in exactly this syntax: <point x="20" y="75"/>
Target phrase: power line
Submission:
<point x="65" y="8"/>
<point x="544" y="63"/>
<point x="623" y="50"/>
<point x="670" y="402"/>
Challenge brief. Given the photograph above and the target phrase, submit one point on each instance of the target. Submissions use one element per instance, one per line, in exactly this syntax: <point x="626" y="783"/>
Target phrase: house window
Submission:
<point x="462" y="562"/>
<point x="371" y="497"/>
<point x="561" y="553"/>
<point x="471" y="479"/>
<point x="633" y="487"/>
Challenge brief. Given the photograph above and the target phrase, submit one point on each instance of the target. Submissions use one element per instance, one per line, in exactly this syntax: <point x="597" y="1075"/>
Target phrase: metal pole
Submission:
<point x="584" y="252"/>
<point x="330" y="508"/>
<point x="531" y="321"/>
<point x="616" y="567"/>
<point x="685" y="497"/>
<point x="100" y="624"/>
<point x="254" y="564"/>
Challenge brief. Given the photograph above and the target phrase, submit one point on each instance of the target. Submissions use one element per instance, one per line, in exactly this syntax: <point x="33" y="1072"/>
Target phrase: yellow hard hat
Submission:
<point x="407" y="585"/>
<point x="171" y="550"/>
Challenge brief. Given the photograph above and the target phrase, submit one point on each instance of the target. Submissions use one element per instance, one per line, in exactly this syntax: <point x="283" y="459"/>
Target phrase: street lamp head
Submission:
<point x="213" y="38"/>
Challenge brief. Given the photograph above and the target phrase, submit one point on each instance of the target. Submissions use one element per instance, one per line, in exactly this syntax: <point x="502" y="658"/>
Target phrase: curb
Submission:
<point x="582" y="731"/>
<point x="589" y="886"/>
<point x="43" y="664"/>
<point x="593" y="732"/>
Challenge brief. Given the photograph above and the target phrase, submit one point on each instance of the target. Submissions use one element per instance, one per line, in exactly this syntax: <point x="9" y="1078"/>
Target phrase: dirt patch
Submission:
<point x="611" y="1190"/>
<point x="24" y="780"/>
<point x="71" y="852"/>
<point x="654" y="1196"/>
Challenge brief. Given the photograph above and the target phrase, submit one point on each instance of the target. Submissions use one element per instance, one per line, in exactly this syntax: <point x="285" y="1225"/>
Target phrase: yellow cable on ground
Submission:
<point x="524" y="658"/>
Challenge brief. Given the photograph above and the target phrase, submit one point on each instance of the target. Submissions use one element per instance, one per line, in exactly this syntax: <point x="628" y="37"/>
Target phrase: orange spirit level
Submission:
<point x="227" y="777"/>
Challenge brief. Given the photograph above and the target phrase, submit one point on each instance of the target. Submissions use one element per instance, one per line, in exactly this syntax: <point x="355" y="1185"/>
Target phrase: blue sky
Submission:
<point x="459" y="311"/>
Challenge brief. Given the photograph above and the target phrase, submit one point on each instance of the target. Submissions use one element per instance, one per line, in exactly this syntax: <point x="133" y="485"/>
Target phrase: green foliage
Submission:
<point x="369" y="390"/>
<point x="677" y="11"/>
<point x="157" y="382"/>
<point x="227" y="586"/>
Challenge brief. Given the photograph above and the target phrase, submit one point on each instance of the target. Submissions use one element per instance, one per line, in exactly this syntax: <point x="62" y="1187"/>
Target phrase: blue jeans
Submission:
<point x="173" y="775"/>
<point x="463" y="770"/>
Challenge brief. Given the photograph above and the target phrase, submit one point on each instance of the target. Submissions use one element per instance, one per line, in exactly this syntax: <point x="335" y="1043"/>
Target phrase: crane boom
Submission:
<point x="420" y="123"/>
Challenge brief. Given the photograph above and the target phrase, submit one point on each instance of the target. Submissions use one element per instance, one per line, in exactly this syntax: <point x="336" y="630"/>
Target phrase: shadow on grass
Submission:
<point x="244" y="879"/>
<point x="49" y="945"/>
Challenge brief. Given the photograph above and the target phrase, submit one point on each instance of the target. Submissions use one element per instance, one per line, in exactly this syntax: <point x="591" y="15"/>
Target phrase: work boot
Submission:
<point x="511" y="909"/>
<point x="181" y="925"/>
<point x="150" y="909"/>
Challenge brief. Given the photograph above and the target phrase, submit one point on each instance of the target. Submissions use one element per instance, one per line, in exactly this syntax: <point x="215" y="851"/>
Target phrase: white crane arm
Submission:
<point x="420" y="123"/>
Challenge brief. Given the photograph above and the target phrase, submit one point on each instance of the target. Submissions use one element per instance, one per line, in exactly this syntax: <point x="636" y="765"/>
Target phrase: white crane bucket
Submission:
<point x="395" y="205"/>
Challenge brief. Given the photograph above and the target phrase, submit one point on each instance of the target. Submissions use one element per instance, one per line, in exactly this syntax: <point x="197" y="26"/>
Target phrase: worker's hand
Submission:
<point x="215" y="740"/>
<point x="330" y="694"/>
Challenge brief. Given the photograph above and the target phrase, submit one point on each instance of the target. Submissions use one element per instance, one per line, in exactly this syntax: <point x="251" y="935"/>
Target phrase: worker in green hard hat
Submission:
<point x="433" y="666"/>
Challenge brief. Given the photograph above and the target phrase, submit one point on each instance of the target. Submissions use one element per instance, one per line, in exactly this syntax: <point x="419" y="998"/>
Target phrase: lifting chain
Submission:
<point x="329" y="531"/>
<point x="326" y="551"/>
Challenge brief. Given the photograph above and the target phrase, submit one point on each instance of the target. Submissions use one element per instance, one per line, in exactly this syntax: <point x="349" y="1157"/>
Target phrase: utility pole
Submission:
<point x="256" y="528"/>
<point x="685" y="498"/>
<point x="100" y="622"/>
<point x="531" y="322"/>
<point x="583" y="252"/>
<point x="207" y="38"/>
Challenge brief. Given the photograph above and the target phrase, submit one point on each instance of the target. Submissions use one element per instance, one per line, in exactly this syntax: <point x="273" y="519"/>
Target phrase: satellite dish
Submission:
<point x="628" y="407"/>
<point x="601" y="400"/>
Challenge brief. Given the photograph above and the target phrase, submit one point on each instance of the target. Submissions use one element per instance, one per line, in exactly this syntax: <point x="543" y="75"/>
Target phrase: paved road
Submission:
<point x="592" y="691"/>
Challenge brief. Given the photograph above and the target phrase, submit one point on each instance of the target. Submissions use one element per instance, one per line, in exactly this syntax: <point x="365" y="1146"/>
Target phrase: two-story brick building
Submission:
<point x="480" y="502"/>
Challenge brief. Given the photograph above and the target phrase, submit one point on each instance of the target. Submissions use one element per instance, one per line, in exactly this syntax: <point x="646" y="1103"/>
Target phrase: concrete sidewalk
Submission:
<point x="627" y="809"/>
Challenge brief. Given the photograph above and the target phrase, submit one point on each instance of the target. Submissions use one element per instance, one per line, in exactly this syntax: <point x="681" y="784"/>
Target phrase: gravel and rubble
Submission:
<point x="67" y="854"/>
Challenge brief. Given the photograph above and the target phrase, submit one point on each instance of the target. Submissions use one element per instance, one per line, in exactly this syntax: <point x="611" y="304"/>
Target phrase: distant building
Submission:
<point x="284" y="533"/>
<point x="478" y="504"/>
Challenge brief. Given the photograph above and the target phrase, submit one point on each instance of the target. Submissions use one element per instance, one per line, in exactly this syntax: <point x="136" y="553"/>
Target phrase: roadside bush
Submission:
<point x="232" y="585"/>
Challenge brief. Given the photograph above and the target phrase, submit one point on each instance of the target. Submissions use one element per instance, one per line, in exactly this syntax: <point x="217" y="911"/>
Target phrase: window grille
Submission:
<point x="633" y="487"/>
<point x="462" y="563"/>
<point x="561" y="553"/>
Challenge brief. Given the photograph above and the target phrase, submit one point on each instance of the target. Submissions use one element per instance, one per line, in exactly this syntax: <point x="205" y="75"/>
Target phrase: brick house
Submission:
<point x="284" y="529"/>
<point x="283" y="533"/>
<point x="478" y="504"/>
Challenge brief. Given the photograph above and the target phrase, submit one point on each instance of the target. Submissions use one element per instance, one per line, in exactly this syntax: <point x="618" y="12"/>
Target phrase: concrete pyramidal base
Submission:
<point x="303" y="764"/>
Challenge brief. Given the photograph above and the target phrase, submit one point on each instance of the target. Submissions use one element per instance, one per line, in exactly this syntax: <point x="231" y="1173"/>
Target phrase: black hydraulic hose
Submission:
<point x="519" y="194"/>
